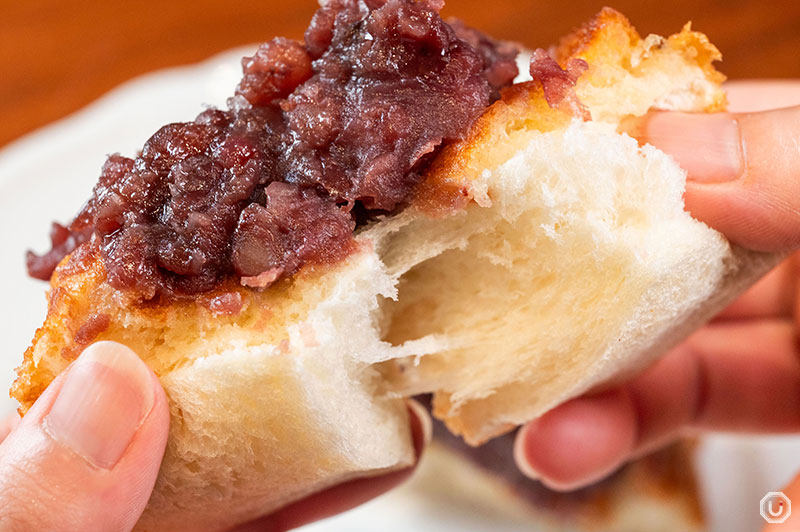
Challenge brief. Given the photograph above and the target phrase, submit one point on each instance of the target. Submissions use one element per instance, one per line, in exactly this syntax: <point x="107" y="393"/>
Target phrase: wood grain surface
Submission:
<point x="58" y="55"/>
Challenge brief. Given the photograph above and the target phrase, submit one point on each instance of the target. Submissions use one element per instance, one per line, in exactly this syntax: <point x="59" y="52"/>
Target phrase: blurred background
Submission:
<point x="58" y="55"/>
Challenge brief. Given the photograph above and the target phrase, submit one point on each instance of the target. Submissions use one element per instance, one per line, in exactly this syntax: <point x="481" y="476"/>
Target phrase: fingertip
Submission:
<point x="520" y="454"/>
<point x="421" y="426"/>
<point x="578" y="442"/>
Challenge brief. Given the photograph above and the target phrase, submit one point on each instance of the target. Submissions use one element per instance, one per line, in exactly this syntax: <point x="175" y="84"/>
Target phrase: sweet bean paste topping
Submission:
<point x="558" y="84"/>
<point x="319" y="137"/>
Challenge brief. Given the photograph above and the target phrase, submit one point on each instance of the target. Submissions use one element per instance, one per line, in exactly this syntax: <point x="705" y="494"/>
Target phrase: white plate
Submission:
<point x="47" y="175"/>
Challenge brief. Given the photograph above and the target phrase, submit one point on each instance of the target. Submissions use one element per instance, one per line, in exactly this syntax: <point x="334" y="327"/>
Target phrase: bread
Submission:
<point x="576" y="262"/>
<point x="567" y="261"/>
<point x="266" y="406"/>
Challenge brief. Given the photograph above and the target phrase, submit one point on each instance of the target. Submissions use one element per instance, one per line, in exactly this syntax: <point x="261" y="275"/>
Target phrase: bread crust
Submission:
<point x="256" y="421"/>
<point x="610" y="37"/>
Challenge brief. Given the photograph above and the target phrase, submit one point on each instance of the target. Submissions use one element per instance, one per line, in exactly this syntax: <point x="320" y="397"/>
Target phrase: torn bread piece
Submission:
<point x="576" y="262"/>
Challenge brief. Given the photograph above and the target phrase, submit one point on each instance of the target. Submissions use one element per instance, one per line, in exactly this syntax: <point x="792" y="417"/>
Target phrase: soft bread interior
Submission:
<point x="258" y="425"/>
<point x="584" y="266"/>
<point x="573" y="262"/>
<point x="576" y="261"/>
<point x="267" y="405"/>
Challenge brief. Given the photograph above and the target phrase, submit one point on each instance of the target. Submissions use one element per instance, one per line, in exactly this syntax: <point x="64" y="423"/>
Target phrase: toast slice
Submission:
<point x="541" y="256"/>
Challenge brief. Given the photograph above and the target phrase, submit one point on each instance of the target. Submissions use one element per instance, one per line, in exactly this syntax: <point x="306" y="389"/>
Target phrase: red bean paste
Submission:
<point x="321" y="136"/>
<point x="558" y="83"/>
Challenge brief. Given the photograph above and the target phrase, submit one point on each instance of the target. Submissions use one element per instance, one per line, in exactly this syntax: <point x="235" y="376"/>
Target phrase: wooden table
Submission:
<point x="58" y="55"/>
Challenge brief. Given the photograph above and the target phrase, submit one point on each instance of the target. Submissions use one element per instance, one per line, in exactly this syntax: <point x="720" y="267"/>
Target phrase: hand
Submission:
<point x="86" y="455"/>
<point x="742" y="371"/>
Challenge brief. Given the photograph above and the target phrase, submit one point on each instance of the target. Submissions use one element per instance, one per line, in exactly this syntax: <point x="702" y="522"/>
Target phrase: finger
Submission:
<point x="579" y="442"/>
<point x="773" y="296"/>
<point x="716" y="380"/>
<point x="762" y="95"/>
<point x="350" y="494"/>
<point x="86" y="455"/>
<point x="743" y="171"/>
<point x="8" y="424"/>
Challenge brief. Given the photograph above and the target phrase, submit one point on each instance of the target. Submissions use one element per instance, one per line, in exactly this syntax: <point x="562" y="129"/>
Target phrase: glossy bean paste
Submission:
<point x="321" y="136"/>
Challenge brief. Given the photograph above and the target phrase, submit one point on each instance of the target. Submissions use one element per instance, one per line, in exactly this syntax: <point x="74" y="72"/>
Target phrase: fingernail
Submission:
<point x="106" y="396"/>
<point x="520" y="458"/>
<point x="424" y="418"/>
<point x="707" y="146"/>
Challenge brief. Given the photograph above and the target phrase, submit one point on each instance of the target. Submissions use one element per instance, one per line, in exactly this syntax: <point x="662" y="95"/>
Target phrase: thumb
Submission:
<point x="743" y="171"/>
<point x="86" y="455"/>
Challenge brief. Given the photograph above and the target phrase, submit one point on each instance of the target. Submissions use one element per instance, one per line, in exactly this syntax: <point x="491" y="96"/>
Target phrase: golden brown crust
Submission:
<point x="609" y="36"/>
<point x="697" y="46"/>
<point x="447" y="181"/>
<point x="83" y="308"/>
<point x="608" y="33"/>
<point x="68" y="306"/>
<point x="607" y="39"/>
